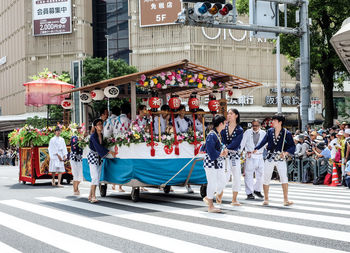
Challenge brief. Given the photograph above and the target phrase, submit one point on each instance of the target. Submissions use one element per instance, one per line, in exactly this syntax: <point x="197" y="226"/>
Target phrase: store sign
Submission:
<point x="316" y="104"/>
<point x="52" y="17"/>
<point x="158" y="12"/>
<point x="241" y="100"/>
<point x="228" y="34"/>
<point x="286" y="100"/>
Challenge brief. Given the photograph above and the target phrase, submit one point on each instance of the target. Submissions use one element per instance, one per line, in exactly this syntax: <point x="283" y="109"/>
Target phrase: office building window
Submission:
<point x="110" y="17"/>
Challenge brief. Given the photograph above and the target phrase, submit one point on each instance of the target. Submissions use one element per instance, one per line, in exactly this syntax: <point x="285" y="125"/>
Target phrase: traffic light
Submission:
<point x="210" y="12"/>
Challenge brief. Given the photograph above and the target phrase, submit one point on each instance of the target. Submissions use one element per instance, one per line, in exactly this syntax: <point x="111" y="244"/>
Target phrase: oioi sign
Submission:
<point x="52" y="17"/>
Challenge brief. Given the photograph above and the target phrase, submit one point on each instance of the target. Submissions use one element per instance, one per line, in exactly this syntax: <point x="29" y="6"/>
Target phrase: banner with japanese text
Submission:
<point x="51" y="17"/>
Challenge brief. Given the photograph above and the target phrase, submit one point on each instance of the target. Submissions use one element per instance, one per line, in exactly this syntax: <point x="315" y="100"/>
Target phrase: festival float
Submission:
<point x="32" y="142"/>
<point x="170" y="159"/>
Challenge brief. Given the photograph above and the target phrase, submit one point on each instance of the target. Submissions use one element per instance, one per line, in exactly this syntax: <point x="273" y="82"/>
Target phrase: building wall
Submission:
<point x="242" y="56"/>
<point x="27" y="55"/>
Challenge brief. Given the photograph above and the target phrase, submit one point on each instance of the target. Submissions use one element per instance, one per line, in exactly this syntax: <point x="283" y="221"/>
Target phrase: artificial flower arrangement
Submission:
<point x="179" y="78"/>
<point x="29" y="136"/>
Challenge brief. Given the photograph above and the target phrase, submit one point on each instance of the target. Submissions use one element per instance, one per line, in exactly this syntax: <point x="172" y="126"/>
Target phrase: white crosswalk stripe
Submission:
<point x="6" y="248"/>
<point x="308" y="226"/>
<point x="256" y="240"/>
<point x="50" y="236"/>
<point x="154" y="240"/>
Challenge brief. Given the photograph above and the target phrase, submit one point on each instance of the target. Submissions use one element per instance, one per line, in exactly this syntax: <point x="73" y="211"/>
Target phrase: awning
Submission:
<point x="231" y="81"/>
<point x="10" y="122"/>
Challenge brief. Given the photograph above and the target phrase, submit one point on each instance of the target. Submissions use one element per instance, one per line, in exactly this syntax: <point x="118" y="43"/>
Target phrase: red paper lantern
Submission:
<point x="193" y="103"/>
<point x="154" y="103"/>
<point x="214" y="105"/>
<point x="230" y="93"/>
<point x="174" y="103"/>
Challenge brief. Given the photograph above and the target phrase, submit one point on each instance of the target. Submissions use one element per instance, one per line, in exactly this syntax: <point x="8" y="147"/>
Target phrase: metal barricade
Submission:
<point x="306" y="165"/>
<point x="294" y="169"/>
<point x="323" y="167"/>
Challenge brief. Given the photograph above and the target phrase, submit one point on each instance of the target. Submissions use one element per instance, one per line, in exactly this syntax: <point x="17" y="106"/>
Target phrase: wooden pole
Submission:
<point x="203" y="128"/>
<point x="133" y="100"/>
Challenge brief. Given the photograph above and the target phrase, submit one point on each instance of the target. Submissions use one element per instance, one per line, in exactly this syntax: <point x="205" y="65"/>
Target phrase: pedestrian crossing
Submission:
<point x="319" y="221"/>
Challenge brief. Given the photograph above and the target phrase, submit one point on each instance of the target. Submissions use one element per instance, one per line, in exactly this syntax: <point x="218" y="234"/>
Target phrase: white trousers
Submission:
<point x="281" y="168"/>
<point x="216" y="181"/>
<point x="254" y="164"/>
<point x="236" y="173"/>
<point x="95" y="173"/>
<point x="77" y="170"/>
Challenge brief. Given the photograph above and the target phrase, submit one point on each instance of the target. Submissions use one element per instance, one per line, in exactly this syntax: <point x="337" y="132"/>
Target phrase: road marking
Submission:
<point x="344" y="193"/>
<point x="68" y="243"/>
<point x="242" y="237"/>
<point x="147" y="238"/>
<point x="8" y="249"/>
<point x="330" y="202"/>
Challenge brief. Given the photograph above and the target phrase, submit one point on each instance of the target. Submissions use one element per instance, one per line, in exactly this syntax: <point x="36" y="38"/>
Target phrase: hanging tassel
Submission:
<point x="176" y="143"/>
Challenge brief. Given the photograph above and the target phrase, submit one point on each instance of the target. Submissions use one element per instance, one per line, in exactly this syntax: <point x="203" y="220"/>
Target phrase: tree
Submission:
<point x="95" y="70"/>
<point x="327" y="17"/>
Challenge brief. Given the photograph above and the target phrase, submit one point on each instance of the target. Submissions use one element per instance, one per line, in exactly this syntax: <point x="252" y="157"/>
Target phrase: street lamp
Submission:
<point x="107" y="38"/>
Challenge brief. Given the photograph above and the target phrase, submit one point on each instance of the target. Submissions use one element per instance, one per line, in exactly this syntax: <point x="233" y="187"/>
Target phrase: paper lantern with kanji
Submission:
<point x="174" y="103"/>
<point x="97" y="94"/>
<point x="193" y="103"/>
<point x="213" y="104"/>
<point x="85" y="97"/>
<point x="154" y="103"/>
<point x="111" y="91"/>
<point x="67" y="104"/>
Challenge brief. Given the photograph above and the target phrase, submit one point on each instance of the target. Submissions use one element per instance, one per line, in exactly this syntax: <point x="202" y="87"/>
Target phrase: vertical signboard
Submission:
<point x="52" y="17"/>
<point x="159" y="12"/>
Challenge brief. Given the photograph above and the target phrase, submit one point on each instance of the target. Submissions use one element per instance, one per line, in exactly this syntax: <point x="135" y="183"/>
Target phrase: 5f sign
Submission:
<point x="158" y="12"/>
<point x="160" y="17"/>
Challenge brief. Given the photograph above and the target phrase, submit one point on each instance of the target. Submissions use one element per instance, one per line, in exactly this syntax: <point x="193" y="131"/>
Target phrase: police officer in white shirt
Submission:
<point x="254" y="162"/>
<point x="181" y="122"/>
<point x="164" y="120"/>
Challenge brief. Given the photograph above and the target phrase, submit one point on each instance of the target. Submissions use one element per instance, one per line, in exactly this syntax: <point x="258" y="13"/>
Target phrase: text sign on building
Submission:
<point x="159" y="12"/>
<point x="52" y="17"/>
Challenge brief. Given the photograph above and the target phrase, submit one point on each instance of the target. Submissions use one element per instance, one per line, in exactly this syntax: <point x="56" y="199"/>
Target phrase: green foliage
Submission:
<point x="55" y="115"/>
<point x="95" y="69"/>
<point x="344" y="109"/>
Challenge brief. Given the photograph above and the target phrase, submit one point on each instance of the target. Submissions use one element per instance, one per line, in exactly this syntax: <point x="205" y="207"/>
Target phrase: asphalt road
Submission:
<point x="41" y="218"/>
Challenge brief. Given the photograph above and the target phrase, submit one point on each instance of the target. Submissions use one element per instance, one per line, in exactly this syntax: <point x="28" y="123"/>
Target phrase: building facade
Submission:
<point x="229" y="51"/>
<point x="26" y="54"/>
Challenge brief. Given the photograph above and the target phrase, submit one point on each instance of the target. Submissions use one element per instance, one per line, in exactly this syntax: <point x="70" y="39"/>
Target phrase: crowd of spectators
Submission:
<point x="331" y="144"/>
<point x="8" y="156"/>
